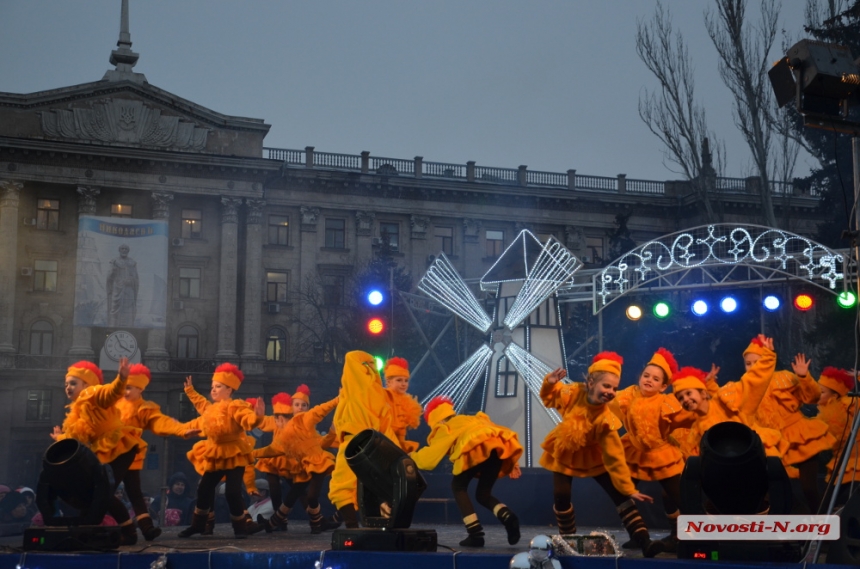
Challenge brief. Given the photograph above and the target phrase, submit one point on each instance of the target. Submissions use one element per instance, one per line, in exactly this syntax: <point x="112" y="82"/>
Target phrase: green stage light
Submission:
<point x="846" y="299"/>
<point x="379" y="363"/>
<point x="662" y="310"/>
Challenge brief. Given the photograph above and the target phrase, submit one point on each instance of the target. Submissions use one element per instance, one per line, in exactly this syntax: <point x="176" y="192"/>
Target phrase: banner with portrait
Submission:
<point x="121" y="276"/>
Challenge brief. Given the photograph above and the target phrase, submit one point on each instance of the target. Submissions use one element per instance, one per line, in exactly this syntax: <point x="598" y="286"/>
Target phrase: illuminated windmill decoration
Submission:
<point x="524" y="332"/>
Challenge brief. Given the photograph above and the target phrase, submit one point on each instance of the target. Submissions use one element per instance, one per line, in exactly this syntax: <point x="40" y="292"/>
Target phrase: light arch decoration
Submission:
<point x="719" y="255"/>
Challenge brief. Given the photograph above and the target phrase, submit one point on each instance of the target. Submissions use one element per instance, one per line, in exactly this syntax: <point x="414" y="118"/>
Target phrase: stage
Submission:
<point x="298" y="549"/>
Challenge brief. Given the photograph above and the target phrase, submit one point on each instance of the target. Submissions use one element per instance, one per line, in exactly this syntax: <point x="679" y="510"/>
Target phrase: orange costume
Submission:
<point x="405" y="408"/>
<point x="838" y="414"/>
<point x="277" y="465"/>
<point x="249" y="478"/>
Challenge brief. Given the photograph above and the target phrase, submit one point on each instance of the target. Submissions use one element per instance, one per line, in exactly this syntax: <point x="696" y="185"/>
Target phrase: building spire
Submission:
<point x="123" y="57"/>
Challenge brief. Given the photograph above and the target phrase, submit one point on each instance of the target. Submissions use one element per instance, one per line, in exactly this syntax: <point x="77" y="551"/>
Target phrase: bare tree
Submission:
<point x="672" y="113"/>
<point x="744" y="50"/>
<point x="323" y="322"/>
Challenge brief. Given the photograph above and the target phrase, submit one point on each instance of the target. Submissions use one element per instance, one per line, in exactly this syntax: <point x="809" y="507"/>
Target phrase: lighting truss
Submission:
<point x="554" y="266"/>
<point x="771" y="250"/>
<point x="459" y="385"/>
<point x="443" y="284"/>
<point x="532" y="370"/>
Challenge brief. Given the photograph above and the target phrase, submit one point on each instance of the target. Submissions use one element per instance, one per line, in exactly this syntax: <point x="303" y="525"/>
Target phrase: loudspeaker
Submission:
<point x="846" y="549"/>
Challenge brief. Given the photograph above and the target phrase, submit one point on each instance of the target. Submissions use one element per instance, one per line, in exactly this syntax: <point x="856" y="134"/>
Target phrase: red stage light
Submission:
<point x="375" y="326"/>
<point x="803" y="302"/>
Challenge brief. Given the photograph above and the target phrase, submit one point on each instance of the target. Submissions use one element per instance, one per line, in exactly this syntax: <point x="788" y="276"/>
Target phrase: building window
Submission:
<point x="495" y="242"/>
<point x="390" y="233"/>
<point x="593" y="250"/>
<point x="191" y="223"/>
<point x="39" y="405"/>
<point x="333" y="290"/>
<point x="48" y="214"/>
<point x="445" y="239"/>
<point x="189" y="283"/>
<point x="335" y="233"/>
<point x="120" y="210"/>
<point x="506" y="378"/>
<point x="279" y="230"/>
<point x="276" y="287"/>
<point x="276" y="345"/>
<point x="45" y="276"/>
<point x="41" y="338"/>
<point x="187" y="341"/>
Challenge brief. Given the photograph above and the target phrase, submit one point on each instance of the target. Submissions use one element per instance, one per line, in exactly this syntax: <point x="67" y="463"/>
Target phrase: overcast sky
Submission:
<point x="549" y="84"/>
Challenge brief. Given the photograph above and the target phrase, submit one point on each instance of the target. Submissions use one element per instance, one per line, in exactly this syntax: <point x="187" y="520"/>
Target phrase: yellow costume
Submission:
<point x="406" y="415"/>
<point x="300" y="444"/>
<point x="468" y="440"/>
<point x="147" y="415"/>
<point x="362" y="405"/>
<point x="586" y="442"/>
<point x="838" y="414"/>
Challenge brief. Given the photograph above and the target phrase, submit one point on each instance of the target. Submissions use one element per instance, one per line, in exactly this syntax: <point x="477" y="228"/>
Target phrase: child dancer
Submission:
<point x="226" y="451"/>
<point x="298" y="441"/>
<point x="780" y="410"/>
<point x="479" y="449"/>
<point x="407" y="411"/>
<point x="144" y="415"/>
<point x="279" y="466"/>
<point x="94" y="421"/>
<point x="649" y="416"/>
<point x="736" y="401"/>
<point x="837" y="410"/>
<point x="362" y="404"/>
<point x="586" y="445"/>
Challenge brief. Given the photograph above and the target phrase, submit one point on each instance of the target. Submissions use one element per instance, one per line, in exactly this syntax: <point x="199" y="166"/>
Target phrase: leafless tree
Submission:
<point x="322" y="322"/>
<point x="672" y="113"/>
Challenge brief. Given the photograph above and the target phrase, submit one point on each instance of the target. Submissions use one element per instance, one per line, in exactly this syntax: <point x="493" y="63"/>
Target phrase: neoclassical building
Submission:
<point x="245" y="226"/>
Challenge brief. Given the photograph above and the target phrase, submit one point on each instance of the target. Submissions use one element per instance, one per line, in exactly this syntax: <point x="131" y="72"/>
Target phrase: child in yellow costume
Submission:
<point x="301" y="444"/>
<point x="479" y="449"/>
<point x="586" y="445"/>
<point x="94" y="421"/>
<point x="780" y="410"/>
<point x="649" y="415"/>
<point x="276" y="467"/>
<point x="226" y="450"/>
<point x="407" y="410"/>
<point x="736" y="401"/>
<point x="362" y="405"/>
<point x="144" y="415"/>
<point x="838" y="410"/>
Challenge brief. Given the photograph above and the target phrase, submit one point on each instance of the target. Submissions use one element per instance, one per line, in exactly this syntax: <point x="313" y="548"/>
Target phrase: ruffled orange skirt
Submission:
<point x="115" y="443"/>
<point x="806" y="438"/>
<point x="481" y="444"/>
<point x="317" y="463"/>
<point x="278" y="465"/>
<point x="208" y="456"/>
<point x="659" y="463"/>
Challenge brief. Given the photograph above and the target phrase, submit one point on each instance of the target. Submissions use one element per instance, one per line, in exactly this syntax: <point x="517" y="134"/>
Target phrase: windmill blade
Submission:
<point x="443" y="284"/>
<point x="460" y="384"/>
<point x="554" y="266"/>
<point x="532" y="370"/>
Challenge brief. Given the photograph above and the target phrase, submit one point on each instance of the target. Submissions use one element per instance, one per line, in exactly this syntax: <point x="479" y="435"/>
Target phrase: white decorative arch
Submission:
<point x="715" y="253"/>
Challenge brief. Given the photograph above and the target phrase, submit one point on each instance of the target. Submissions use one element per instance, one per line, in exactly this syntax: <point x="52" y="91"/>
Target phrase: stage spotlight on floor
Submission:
<point x="700" y="308"/>
<point x="803" y="302"/>
<point x="771" y="302"/>
<point x="846" y="299"/>
<point x="662" y="310"/>
<point x="633" y="312"/>
<point x="728" y="304"/>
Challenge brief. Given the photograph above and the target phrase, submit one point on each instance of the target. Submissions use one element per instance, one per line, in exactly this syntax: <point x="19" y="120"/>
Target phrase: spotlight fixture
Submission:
<point x="633" y="312"/>
<point x="375" y="297"/>
<point x="803" y="302"/>
<point x="662" y="310"/>
<point x="846" y="299"/>
<point x="771" y="302"/>
<point x="728" y="304"/>
<point x="700" y="308"/>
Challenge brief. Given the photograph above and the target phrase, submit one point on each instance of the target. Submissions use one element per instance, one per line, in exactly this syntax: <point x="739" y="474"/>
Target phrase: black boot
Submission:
<point x="243" y="526"/>
<point x="349" y="516"/>
<point x="670" y="542"/>
<point x="147" y="528"/>
<point x="476" y="535"/>
<point x="331" y="522"/>
<point x="511" y="523"/>
<point x="566" y="521"/>
<point x="637" y="531"/>
<point x="129" y="534"/>
<point x="277" y="521"/>
<point x="198" y="523"/>
<point x="210" y="524"/>
<point x="315" y="519"/>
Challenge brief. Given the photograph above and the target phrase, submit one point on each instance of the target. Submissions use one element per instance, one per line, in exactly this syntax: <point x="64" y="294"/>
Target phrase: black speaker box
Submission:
<point x="372" y="539"/>
<point x="846" y="549"/>
<point x="73" y="538"/>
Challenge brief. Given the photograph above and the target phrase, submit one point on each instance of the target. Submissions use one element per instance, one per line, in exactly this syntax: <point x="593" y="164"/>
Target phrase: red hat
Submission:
<point x="139" y="376"/>
<point x="839" y="380"/>
<point x="88" y="372"/>
<point x="252" y="401"/>
<point x="440" y="407"/>
<point x="755" y="347"/>
<point x="607" y="361"/>
<point x="396" y="367"/>
<point x="229" y="375"/>
<point x="688" y="378"/>
<point x="282" y="403"/>
<point x="303" y="392"/>
<point x="664" y="359"/>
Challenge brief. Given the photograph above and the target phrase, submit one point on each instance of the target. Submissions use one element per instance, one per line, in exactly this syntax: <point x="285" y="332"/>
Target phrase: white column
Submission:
<point x="82" y="336"/>
<point x="252" y="358"/>
<point x="228" y="279"/>
<point x="156" y="357"/>
<point x="10" y="192"/>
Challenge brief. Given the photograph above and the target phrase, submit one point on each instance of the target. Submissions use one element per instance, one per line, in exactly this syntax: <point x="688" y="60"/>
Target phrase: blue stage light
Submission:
<point x="728" y="304"/>
<point x="700" y="308"/>
<point x="374" y="297"/>
<point x="771" y="302"/>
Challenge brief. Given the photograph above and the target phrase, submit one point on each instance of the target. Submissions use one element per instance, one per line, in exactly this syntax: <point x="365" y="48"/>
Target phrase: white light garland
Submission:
<point x="719" y="244"/>
<point x="460" y="384"/>
<point x="532" y="370"/>
<point x="443" y="284"/>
